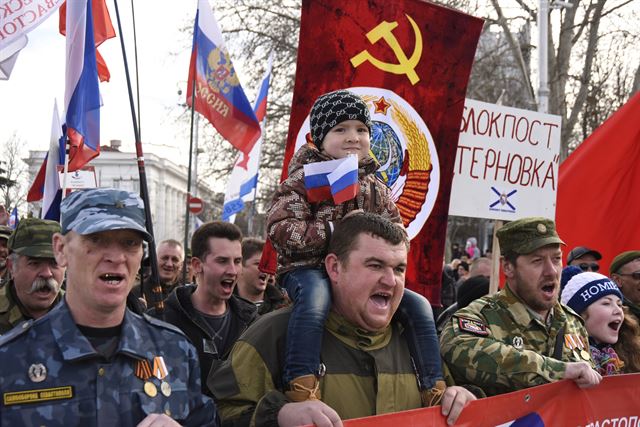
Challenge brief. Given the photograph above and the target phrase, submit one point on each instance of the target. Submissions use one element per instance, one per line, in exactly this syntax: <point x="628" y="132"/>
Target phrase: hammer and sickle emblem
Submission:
<point x="405" y="65"/>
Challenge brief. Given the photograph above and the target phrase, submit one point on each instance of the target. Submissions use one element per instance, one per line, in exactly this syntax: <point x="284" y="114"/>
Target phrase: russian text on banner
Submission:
<point x="614" y="402"/>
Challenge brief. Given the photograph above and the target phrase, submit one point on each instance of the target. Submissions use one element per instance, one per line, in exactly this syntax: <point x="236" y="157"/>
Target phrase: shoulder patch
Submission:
<point x="473" y="326"/>
<point x="162" y="324"/>
<point x="18" y="330"/>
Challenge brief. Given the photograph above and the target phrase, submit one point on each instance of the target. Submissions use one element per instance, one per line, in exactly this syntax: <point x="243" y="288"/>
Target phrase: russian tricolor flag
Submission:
<point x="46" y="186"/>
<point x="333" y="179"/>
<point x="13" y="219"/>
<point x="243" y="181"/>
<point x="344" y="180"/>
<point x="52" y="190"/>
<point x="82" y="95"/>
<point x="219" y="95"/>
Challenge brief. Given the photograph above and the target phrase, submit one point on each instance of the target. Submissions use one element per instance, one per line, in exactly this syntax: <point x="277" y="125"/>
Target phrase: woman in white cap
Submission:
<point x="598" y="300"/>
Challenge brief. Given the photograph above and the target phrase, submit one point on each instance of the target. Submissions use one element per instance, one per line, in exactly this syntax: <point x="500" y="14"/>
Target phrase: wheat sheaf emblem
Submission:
<point x="416" y="162"/>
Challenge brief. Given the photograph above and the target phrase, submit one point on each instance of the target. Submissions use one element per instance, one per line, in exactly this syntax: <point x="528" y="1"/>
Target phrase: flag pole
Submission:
<point x="252" y="212"/>
<point x="156" y="289"/>
<point x="67" y="149"/>
<point x="135" y="57"/>
<point x="186" y="215"/>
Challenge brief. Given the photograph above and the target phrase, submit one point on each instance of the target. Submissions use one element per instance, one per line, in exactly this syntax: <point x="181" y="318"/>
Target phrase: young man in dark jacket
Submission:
<point x="208" y="313"/>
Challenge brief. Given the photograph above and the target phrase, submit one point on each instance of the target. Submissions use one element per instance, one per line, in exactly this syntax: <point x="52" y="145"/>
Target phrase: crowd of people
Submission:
<point x="334" y="335"/>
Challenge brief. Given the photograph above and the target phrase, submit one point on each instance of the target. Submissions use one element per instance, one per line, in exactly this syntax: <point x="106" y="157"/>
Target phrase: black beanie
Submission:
<point x="334" y="108"/>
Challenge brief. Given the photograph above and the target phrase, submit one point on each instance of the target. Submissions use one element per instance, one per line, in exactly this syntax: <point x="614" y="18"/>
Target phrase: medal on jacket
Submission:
<point x="583" y="349"/>
<point x="571" y="344"/>
<point x="160" y="372"/>
<point x="575" y="344"/>
<point x="143" y="371"/>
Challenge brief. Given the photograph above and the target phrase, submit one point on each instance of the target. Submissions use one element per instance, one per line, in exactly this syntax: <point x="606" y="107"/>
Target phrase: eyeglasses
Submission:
<point x="635" y="275"/>
<point x="589" y="267"/>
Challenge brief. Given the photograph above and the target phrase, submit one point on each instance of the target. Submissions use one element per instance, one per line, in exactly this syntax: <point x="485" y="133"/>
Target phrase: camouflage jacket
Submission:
<point x="51" y="375"/>
<point x="300" y="231"/>
<point x="366" y="374"/>
<point x="497" y="344"/>
<point x="11" y="311"/>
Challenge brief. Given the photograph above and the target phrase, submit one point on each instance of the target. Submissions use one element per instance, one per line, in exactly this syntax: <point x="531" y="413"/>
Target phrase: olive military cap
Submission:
<point x="621" y="259"/>
<point x="33" y="238"/>
<point x="525" y="235"/>
<point x="5" y="232"/>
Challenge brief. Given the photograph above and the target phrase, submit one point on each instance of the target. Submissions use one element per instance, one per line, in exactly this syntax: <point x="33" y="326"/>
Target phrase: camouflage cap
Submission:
<point x="622" y="259"/>
<point x="103" y="209"/>
<point x="525" y="235"/>
<point x="5" y="232"/>
<point x="33" y="238"/>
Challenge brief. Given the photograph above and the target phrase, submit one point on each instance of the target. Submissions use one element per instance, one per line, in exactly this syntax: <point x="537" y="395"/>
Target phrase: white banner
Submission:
<point x="18" y="17"/>
<point x="81" y="179"/>
<point x="506" y="163"/>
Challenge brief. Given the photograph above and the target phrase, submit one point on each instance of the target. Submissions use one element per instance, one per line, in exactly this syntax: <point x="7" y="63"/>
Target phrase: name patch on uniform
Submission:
<point x="35" y="396"/>
<point x="472" y="326"/>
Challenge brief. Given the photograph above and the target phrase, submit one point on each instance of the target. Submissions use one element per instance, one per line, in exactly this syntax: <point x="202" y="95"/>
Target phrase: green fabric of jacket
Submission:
<point x="511" y="348"/>
<point x="11" y="311"/>
<point x="366" y="374"/>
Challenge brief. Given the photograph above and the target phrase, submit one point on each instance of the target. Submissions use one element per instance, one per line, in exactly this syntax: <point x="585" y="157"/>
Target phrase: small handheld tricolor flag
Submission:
<point x="336" y="179"/>
<point x="344" y="180"/>
<point x="13" y="219"/>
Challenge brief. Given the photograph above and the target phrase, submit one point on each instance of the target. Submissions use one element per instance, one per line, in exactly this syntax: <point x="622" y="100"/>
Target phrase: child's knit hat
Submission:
<point x="333" y="108"/>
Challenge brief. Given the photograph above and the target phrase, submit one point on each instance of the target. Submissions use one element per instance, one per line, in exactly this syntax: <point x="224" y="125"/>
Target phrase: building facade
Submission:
<point x="166" y="181"/>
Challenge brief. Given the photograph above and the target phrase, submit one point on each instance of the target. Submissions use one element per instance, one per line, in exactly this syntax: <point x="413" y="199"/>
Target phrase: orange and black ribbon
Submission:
<point x="143" y="369"/>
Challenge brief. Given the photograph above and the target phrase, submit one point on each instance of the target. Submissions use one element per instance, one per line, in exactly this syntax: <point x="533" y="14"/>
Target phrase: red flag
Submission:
<point x="597" y="202"/>
<point x="560" y="403"/>
<point x="410" y="61"/>
<point x="102" y="30"/>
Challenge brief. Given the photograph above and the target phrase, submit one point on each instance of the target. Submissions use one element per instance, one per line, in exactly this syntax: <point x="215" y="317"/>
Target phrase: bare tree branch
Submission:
<point x="592" y="46"/>
<point x="636" y="82"/>
<point x="515" y="48"/>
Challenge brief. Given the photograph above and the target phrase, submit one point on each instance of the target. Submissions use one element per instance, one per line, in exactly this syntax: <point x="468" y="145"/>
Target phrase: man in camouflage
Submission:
<point x="625" y="271"/>
<point x="5" y="233"/>
<point x="90" y="361"/>
<point x="367" y="364"/>
<point x="521" y="336"/>
<point x="36" y="277"/>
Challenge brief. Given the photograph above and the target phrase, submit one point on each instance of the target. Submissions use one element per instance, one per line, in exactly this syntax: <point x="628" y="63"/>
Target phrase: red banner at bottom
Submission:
<point x="614" y="402"/>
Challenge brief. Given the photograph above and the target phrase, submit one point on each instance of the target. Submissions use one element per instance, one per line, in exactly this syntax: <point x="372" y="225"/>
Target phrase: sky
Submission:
<point x="26" y="99"/>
